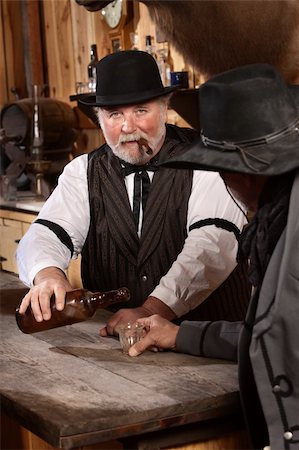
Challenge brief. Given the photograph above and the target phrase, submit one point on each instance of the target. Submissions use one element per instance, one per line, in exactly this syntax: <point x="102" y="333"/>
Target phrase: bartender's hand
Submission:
<point x="160" y="334"/>
<point x="151" y="306"/>
<point x="47" y="282"/>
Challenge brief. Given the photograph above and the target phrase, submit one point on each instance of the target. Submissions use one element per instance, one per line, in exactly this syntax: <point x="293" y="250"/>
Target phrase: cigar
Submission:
<point x="143" y="144"/>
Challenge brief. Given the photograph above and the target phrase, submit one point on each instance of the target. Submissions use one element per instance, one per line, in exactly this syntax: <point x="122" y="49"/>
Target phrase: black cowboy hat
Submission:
<point x="127" y="77"/>
<point x="249" y="119"/>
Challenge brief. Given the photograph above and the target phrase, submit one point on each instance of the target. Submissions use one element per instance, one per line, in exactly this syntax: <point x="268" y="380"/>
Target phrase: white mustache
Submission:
<point x="142" y="141"/>
<point x="130" y="137"/>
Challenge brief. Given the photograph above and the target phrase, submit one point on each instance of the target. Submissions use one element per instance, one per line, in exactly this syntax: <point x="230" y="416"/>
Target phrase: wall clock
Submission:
<point x="114" y="13"/>
<point x="118" y="15"/>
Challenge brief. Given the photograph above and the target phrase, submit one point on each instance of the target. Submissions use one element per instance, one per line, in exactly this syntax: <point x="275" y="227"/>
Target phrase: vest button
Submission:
<point x="144" y="278"/>
<point x="276" y="388"/>
<point x="288" y="435"/>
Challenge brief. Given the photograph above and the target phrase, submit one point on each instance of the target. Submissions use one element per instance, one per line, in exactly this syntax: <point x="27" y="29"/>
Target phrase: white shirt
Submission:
<point x="207" y="258"/>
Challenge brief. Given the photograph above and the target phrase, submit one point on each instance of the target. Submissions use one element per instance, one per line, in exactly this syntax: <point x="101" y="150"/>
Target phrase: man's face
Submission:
<point x="124" y="126"/>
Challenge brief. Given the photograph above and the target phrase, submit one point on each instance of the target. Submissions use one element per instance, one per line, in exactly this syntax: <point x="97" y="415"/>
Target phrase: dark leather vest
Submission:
<point x="113" y="255"/>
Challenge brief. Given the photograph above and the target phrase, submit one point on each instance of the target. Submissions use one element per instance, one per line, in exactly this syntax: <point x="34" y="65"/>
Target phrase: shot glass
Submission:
<point x="129" y="334"/>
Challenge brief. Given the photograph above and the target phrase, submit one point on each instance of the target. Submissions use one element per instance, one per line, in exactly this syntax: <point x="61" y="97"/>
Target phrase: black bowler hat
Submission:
<point x="249" y="120"/>
<point x="127" y="77"/>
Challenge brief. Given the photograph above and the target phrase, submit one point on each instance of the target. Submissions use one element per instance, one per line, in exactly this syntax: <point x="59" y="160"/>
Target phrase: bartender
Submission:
<point x="169" y="235"/>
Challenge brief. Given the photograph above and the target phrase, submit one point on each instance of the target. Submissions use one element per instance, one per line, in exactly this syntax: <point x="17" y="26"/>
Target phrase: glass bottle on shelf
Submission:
<point x="164" y="67"/>
<point x="38" y="134"/>
<point x="80" y="305"/>
<point x="149" y="46"/>
<point x="91" y="68"/>
<point x="134" y="41"/>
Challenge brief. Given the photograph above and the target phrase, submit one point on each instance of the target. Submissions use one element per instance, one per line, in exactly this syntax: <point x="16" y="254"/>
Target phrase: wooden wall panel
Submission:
<point x="56" y="50"/>
<point x="32" y="44"/>
<point x="13" y="71"/>
<point x="3" y="65"/>
<point x="69" y="30"/>
<point x="87" y="29"/>
<point x="100" y="34"/>
<point x="83" y="36"/>
<point x="59" y="48"/>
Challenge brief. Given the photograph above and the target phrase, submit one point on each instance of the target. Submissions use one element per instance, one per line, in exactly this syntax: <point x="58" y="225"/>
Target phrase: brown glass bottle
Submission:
<point x="80" y="305"/>
<point x="91" y="68"/>
<point x="149" y="46"/>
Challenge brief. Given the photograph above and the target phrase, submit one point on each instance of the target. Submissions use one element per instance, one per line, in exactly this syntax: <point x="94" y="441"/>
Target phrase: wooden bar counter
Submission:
<point x="71" y="388"/>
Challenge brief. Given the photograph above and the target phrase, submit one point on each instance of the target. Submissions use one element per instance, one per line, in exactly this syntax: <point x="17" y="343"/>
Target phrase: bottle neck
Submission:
<point x="149" y="47"/>
<point x="105" y="299"/>
<point x="93" y="53"/>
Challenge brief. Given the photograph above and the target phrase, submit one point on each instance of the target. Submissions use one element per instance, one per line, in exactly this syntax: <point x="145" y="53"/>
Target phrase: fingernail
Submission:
<point x="133" y="352"/>
<point x="59" y="306"/>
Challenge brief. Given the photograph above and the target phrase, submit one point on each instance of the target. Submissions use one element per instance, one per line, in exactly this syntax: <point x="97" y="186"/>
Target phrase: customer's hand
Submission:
<point x="47" y="282"/>
<point x="121" y="317"/>
<point x="152" y="305"/>
<point x="160" y="334"/>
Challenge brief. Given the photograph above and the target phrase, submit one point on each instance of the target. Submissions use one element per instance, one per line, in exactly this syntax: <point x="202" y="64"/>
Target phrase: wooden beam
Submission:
<point x="32" y="39"/>
<point x="12" y="64"/>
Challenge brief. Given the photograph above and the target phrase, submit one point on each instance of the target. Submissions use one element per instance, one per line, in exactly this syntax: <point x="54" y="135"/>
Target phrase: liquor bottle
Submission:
<point x="91" y="68"/>
<point x="38" y="135"/>
<point x="148" y="46"/>
<point x="164" y="67"/>
<point x="80" y="305"/>
<point x="134" y="41"/>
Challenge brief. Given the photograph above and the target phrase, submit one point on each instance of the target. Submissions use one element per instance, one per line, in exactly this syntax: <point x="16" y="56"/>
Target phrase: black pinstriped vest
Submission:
<point x="113" y="255"/>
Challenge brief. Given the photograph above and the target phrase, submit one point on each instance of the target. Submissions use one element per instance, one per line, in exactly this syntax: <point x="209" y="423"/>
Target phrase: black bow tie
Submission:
<point x="141" y="184"/>
<point x="128" y="168"/>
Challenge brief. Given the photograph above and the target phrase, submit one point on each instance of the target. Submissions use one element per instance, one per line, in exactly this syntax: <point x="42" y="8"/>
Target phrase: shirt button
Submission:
<point x="144" y="278"/>
<point x="288" y="435"/>
<point x="276" y="388"/>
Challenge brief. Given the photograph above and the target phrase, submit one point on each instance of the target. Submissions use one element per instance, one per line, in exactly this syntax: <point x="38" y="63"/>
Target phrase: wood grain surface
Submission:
<point x="72" y="387"/>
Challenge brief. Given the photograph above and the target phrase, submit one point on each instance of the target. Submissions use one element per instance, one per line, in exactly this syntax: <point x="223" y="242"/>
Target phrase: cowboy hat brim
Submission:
<point x="279" y="160"/>
<point x="125" y="99"/>
<point x="273" y="158"/>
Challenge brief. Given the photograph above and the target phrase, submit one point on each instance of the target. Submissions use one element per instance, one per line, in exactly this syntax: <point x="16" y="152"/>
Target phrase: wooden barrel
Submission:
<point x="58" y="122"/>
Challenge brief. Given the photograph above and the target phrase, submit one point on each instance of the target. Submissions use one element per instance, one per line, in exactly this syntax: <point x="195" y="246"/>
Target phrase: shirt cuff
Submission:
<point x="170" y="299"/>
<point x="43" y="265"/>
